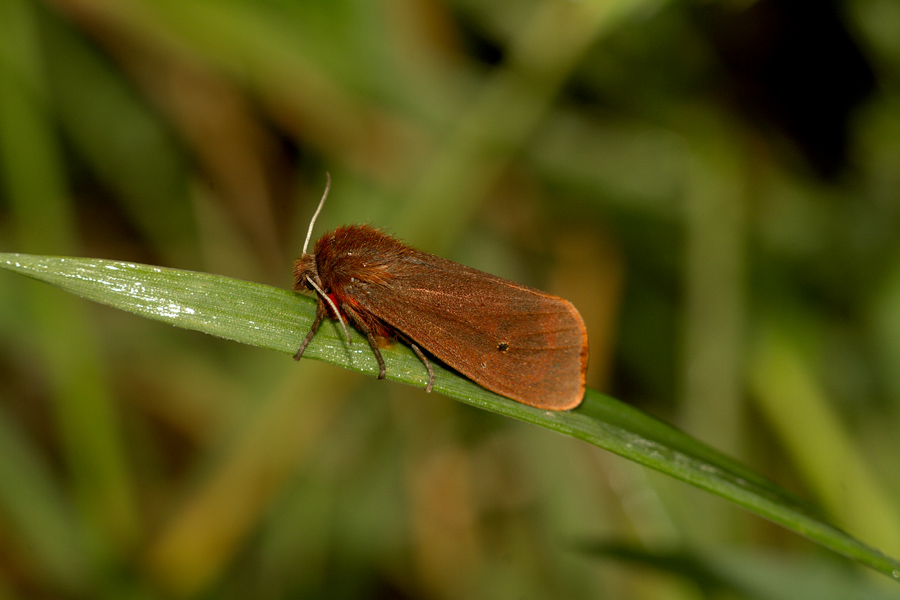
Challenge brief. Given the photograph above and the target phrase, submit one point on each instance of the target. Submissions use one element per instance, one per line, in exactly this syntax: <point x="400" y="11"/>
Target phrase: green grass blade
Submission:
<point x="278" y="319"/>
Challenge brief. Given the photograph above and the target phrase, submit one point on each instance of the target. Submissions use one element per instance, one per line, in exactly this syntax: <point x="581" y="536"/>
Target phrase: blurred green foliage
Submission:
<point x="726" y="220"/>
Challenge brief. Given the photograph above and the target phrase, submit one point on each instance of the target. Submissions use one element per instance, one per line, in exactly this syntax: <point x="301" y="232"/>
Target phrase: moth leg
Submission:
<point x="356" y="319"/>
<point x="427" y="364"/>
<point x="321" y="311"/>
<point x="373" y="343"/>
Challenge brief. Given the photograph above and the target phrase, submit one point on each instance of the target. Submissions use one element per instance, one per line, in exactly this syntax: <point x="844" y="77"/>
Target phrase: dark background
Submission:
<point x="715" y="185"/>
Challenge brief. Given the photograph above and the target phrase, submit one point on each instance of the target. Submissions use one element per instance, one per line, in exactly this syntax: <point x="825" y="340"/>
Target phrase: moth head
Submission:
<point x="305" y="269"/>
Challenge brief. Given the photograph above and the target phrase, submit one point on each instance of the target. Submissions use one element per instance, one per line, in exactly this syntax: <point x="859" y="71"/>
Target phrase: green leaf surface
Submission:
<point x="278" y="319"/>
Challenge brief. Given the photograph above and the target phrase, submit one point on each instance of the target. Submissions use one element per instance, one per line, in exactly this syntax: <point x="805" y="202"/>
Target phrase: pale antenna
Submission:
<point x="318" y="210"/>
<point x="315" y="286"/>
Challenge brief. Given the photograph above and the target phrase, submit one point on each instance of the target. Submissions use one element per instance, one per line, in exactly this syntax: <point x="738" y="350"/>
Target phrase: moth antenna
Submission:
<point x="316" y="215"/>
<point x="333" y="306"/>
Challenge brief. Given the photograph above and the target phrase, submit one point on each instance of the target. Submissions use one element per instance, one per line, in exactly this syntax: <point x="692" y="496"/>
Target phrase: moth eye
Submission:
<point x="503" y="346"/>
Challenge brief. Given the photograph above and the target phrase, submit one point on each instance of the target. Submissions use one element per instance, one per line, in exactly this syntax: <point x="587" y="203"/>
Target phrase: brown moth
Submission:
<point x="514" y="340"/>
